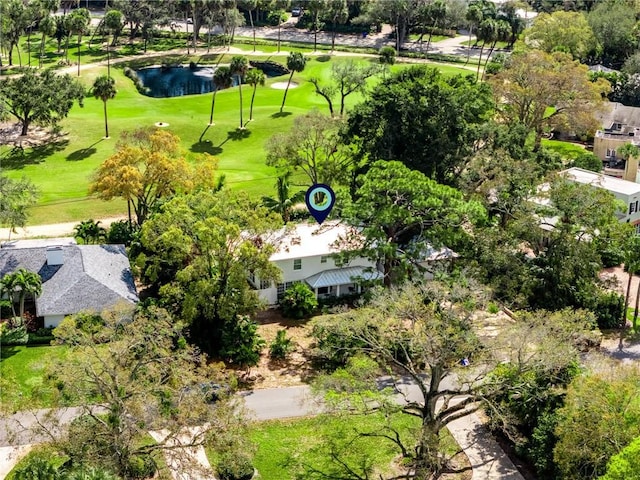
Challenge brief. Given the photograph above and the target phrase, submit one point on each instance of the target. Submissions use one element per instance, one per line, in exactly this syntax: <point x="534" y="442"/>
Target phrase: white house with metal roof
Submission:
<point x="625" y="191"/>
<point x="305" y="253"/>
<point x="308" y="253"/>
<point x="74" y="277"/>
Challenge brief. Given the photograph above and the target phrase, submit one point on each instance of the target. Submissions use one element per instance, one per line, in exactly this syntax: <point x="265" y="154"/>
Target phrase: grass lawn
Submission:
<point x="62" y="171"/>
<point x="22" y="371"/>
<point x="283" y="445"/>
<point x="567" y="150"/>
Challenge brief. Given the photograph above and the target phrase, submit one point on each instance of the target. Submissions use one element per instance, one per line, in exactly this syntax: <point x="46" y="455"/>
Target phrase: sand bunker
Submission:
<point x="283" y="85"/>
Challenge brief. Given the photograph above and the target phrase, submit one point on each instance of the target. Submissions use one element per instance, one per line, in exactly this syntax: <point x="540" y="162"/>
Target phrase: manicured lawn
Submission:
<point x="283" y="443"/>
<point x="22" y="370"/>
<point x="567" y="150"/>
<point x="62" y="171"/>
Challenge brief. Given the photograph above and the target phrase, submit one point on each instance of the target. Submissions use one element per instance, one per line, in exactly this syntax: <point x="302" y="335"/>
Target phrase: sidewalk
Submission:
<point x="487" y="458"/>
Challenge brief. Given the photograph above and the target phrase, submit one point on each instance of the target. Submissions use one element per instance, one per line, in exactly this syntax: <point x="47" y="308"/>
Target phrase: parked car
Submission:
<point x="296" y="11"/>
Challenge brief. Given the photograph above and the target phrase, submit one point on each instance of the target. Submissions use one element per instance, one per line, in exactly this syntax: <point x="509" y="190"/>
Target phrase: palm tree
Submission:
<point x="47" y="26"/>
<point x="283" y="203"/>
<point x="487" y="32"/>
<point x="222" y="78"/>
<point x="78" y="21"/>
<point x="474" y="17"/>
<point x="27" y="283"/>
<point x="255" y="77"/>
<point x="8" y="287"/>
<point x="239" y="66"/>
<point x="436" y="12"/>
<point x="90" y="231"/>
<point x="104" y="88"/>
<point x="500" y="32"/>
<point x="295" y="63"/>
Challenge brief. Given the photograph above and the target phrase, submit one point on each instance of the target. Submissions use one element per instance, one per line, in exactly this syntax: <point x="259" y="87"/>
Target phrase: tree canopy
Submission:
<point x="401" y="214"/>
<point x="147" y="379"/>
<point x="544" y="91"/>
<point x="16" y="196"/>
<point x="418" y="117"/>
<point x="198" y="251"/>
<point x="312" y="146"/>
<point x="562" y="31"/>
<point x="43" y="98"/>
<point x="148" y="167"/>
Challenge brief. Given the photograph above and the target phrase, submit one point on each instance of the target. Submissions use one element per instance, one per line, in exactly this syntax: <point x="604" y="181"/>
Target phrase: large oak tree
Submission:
<point x="543" y="91"/>
<point x="41" y="98"/>
<point x="422" y="119"/>
<point x="198" y="253"/>
<point x="399" y="214"/>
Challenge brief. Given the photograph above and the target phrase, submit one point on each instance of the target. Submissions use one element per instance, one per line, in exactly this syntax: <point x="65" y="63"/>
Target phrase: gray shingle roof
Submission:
<point x="92" y="277"/>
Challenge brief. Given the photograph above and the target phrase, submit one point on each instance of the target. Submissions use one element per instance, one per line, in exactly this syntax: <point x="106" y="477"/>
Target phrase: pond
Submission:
<point x="176" y="81"/>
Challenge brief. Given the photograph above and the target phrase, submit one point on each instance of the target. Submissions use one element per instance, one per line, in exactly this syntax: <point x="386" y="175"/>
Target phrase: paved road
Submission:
<point x="485" y="455"/>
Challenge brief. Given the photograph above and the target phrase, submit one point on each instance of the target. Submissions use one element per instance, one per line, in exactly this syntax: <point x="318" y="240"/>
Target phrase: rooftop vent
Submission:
<point x="55" y="256"/>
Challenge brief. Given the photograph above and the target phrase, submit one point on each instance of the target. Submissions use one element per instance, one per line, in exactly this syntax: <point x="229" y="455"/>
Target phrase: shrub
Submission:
<point x="241" y="343"/>
<point x="131" y="73"/>
<point x="276" y="17"/>
<point x="588" y="161"/>
<point x="235" y="466"/>
<point x="608" y="308"/>
<point x="298" y="301"/>
<point x="493" y="308"/>
<point x="141" y="466"/>
<point x="281" y="346"/>
<point x="387" y="55"/>
<point x="13" y="336"/>
<point x="337" y="338"/>
<point x="121" y="232"/>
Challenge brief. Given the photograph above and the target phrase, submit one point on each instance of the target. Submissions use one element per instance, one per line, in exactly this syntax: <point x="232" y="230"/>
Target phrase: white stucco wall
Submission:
<point x="52" y="320"/>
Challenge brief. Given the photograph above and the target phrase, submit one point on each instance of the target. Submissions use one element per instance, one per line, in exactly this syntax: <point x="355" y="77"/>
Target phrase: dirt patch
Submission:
<point x="36" y="136"/>
<point x="296" y="369"/>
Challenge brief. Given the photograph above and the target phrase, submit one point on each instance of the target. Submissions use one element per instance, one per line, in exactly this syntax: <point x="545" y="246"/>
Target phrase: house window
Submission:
<point x="323" y="259"/>
<point x="633" y="207"/>
<point x="282" y="287"/>
<point x="324" y="290"/>
<point x="264" y="284"/>
<point x="297" y="264"/>
<point x="611" y="153"/>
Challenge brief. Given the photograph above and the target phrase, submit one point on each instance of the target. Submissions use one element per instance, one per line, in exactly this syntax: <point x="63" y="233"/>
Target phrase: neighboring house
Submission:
<point x="621" y="125"/>
<point x="306" y="253"/>
<point x="74" y="277"/>
<point x="625" y="191"/>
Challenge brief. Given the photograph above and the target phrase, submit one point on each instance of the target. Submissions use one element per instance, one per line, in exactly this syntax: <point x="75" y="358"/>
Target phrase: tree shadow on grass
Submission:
<point x="83" y="153"/>
<point x="323" y="58"/>
<point x="280" y="114"/>
<point x="206" y="147"/>
<point x="236" y="135"/>
<point x="7" y="351"/>
<point x="18" y="157"/>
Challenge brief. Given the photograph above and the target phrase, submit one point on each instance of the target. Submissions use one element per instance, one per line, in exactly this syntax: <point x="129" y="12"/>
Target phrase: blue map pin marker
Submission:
<point x="320" y="199"/>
